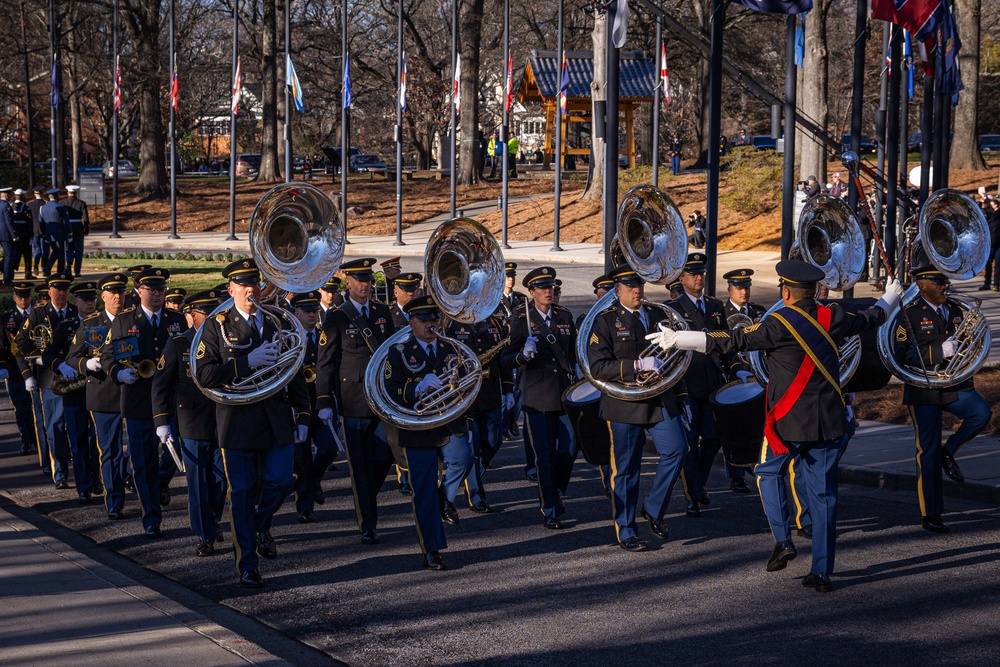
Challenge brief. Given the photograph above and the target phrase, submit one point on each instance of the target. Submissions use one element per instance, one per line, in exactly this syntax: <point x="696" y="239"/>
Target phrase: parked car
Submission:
<point x="366" y="162"/>
<point x="867" y="145"/>
<point x="764" y="142"/>
<point x="125" y="169"/>
<point x="332" y="154"/>
<point x="247" y="164"/>
<point x="301" y="165"/>
<point x="989" y="142"/>
<point x="914" y="143"/>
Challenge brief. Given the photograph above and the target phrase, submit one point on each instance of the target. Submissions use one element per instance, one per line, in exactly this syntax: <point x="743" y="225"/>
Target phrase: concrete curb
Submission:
<point x="897" y="481"/>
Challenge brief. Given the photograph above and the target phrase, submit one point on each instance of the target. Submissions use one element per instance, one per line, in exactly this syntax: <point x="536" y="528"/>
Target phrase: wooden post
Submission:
<point x="629" y="135"/>
<point x="547" y="143"/>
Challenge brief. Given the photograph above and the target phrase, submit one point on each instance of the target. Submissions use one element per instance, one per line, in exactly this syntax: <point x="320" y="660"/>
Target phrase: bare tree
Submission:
<point x="598" y="93"/>
<point x="270" y="171"/>
<point x="965" y="146"/>
<point x="469" y="39"/>
<point x="813" y="81"/>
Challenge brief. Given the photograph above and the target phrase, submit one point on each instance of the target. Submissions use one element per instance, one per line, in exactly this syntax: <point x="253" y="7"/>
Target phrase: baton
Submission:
<point x="336" y="438"/>
<point x="171" y="446"/>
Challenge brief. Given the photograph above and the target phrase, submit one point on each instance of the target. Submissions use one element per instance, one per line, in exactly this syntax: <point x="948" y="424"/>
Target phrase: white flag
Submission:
<point x="619" y="29"/>
<point x="237" y="87"/>
<point x="456" y="88"/>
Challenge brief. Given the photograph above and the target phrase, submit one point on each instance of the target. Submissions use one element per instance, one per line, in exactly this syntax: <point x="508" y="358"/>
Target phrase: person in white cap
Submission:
<point x="79" y="221"/>
<point x="22" y="232"/>
<point x="7" y="236"/>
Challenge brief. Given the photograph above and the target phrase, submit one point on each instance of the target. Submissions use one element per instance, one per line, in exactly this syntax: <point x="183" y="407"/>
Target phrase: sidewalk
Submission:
<point x="59" y="606"/>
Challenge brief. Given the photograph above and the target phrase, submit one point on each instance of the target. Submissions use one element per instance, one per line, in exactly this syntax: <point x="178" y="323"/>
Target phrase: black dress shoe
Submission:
<point x="693" y="509"/>
<point x="165" y="496"/>
<point x="531" y="477"/>
<point x="634" y="544"/>
<point x="369" y="537"/>
<point x="25" y="448"/>
<point x="129" y="484"/>
<point x="318" y="497"/>
<point x="406" y="489"/>
<point x="97" y="489"/>
<point x="656" y="526"/>
<point x="818" y="582"/>
<point x="153" y="532"/>
<point x="950" y="466"/>
<point x="449" y="514"/>
<point x="934" y="524"/>
<point x="482" y="507"/>
<point x="806" y="532"/>
<point x="433" y="561"/>
<point x="560" y="509"/>
<point x="783" y="552"/>
<point x="552" y="524"/>
<point x="306" y="517"/>
<point x="705" y="498"/>
<point x="84" y="499"/>
<point x="62" y="484"/>
<point x="205" y="548"/>
<point x="983" y="288"/>
<point x="251" y="579"/>
<point x="739" y="485"/>
<point x="115" y="515"/>
<point x="218" y="533"/>
<point x="265" y="545"/>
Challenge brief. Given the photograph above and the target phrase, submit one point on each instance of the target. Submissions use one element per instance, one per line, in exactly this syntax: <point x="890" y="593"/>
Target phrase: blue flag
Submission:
<point x="54" y="94"/>
<point x="347" y="81"/>
<point x="777" y="6"/>
<point x="292" y="81"/>
<point x="948" y="39"/>
<point x="800" y="39"/>
<point x="908" y="57"/>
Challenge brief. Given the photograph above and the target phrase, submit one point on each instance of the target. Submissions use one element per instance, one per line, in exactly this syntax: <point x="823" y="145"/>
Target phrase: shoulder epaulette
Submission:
<point x="563" y="309"/>
<point x="126" y="310"/>
<point x="609" y="309"/>
<point x="93" y="315"/>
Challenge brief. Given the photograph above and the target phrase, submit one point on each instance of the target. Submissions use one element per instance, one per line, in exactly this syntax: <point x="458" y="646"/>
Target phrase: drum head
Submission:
<point x="737" y="392"/>
<point x="581" y="393"/>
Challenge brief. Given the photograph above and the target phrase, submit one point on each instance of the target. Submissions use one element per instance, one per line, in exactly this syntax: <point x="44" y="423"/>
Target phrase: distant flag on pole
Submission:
<point x="347" y="81"/>
<point x="908" y="57"/>
<point x="564" y="84"/>
<point x="664" y="73"/>
<point x="175" y="88"/>
<point x="619" y="29"/>
<point x="402" y="83"/>
<point x="800" y="39"/>
<point x="292" y="81"/>
<point x="508" y="97"/>
<point x="456" y="87"/>
<point x="118" y="86"/>
<point x="55" y="84"/>
<point x="237" y="88"/>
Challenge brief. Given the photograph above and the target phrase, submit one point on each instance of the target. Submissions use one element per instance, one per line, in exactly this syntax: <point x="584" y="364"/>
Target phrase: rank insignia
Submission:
<point x="201" y="351"/>
<point x="900" y="333"/>
<point x="161" y="363"/>
<point x="594" y="340"/>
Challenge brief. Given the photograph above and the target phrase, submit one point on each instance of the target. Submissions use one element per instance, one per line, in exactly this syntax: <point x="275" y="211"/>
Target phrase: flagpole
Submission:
<point x="904" y="123"/>
<point x="714" y="131"/>
<point x="937" y="137"/>
<point x="658" y="59"/>
<point x="173" y="127"/>
<point x="288" y="96"/>
<point x="505" y="130"/>
<point x="53" y="99"/>
<point x="456" y="84"/>
<point x="559" y="130"/>
<point x="27" y="103"/>
<point x="114" y="126"/>
<point x="892" y="144"/>
<point x="612" y="63"/>
<point x="926" y="132"/>
<point x="399" y="126"/>
<point x="788" y="174"/>
<point x="345" y="119"/>
<point x="232" y="125"/>
<point x="857" y="103"/>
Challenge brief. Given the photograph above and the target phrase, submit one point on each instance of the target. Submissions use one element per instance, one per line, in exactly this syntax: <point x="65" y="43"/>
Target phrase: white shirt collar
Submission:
<point x="149" y="313"/>
<point x="937" y="309"/>
<point x="695" y="299"/>
<point x="737" y="307"/>
<point x="357" y="305"/>
<point x="549" y="315"/>
<point x="245" y="315"/>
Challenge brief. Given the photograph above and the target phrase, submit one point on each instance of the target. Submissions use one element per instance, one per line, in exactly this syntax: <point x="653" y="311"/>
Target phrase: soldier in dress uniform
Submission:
<point x="329" y="298"/>
<point x="21" y="398"/>
<point x="103" y="394"/>
<point x="24" y="231"/>
<point x="543" y="351"/>
<point x="412" y="369"/>
<point x="140" y="335"/>
<point x="602" y="285"/>
<point x="39" y="244"/>
<point x="79" y="428"/>
<point x="405" y="288"/>
<point x="175" y="299"/>
<point x="79" y="222"/>
<point x="351" y="335"/>
<point x="55" y="227"/>
<point x="616" y="341"/>
<point x="935" y="318"/>
<point x="8" y="236"/>
<point x="805" y="418"/>
<point x="676" y="289"/>
<point x="184" y="414"/>
<point x="257" y="439"/>
<point x="39" y="366"/>
<point x="513" y="304"/>
<point x="703" y="377"/>
<point x="132" y="296"/>
<point x="390" y="269"/>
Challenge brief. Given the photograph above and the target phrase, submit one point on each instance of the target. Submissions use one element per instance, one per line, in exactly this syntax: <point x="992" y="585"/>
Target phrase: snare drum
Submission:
<point x="739" y="410"/>
<point x="582" y="402"/>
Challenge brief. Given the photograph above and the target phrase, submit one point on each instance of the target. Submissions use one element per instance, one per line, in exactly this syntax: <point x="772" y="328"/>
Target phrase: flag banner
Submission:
<point x="664" y="74"/>
<point x="237" y="88"/>
<point x="456" y="85"/>
<point x="292" y="81"/>
<point x="619" y="29"/>
<point x="118" y="86"/>
<point x="175" y="90"/>
<point x="402" y="83"/>
<point x="564" y="84"/>
<point x="778" y="6"/>
<point x="951" y="77"/>
<point x="347" y="81"/>
<point x="800" y="39"/>
<point x="54" y="93"/>
<point x="508" y="97"/>
<point x="908" y="57"/>
<point x="920" y="17"/>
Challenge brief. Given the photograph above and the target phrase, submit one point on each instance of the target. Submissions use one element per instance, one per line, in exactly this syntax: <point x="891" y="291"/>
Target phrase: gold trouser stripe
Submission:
<point x="52" y="446"/>
<point x="138" y="495"/>
<point x="413" y="504"/>
<point x="232" y="520"/>
<point x="354" y="486"/>
<point x="534" y="449"/>
<point x="763" y="458"/>
<point x="614" y="473"/>
<point x="920" y="452"/>
<point x="100" y="453"/>
<point x="34" y="419"/>
<point x="795" y="495"/>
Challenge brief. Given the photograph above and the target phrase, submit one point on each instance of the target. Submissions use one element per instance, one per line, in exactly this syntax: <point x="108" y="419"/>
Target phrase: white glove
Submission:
<point x="164" y="433"/>
<point x="301" y="433"/>
<point x="508" y="401"/>
<point x="429" y="383"/>
<point x="530" y="348"/>
<point x="949" y="347"/>
<point x="325" y="414"/>
<point x="850" y="415"/>
<point x="39" y="361"/>
<point x="647" y="364"/>
<point x="890" y="300"/>
<point x="745" y="376"/>
<point x="666" y="337"/>
<point x="3" y="374"/>
<point x="127" y="376"/>
<point x="93" y="364"/>
<point x="264" y="355"/>
<point x="67" y="371"/>
<point x="31" y="384"/>
<point x="895" y="287"/>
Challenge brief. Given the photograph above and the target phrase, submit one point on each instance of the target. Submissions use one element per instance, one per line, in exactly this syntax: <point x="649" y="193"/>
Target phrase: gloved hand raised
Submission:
<point x="127" y="376"/>
<point x="896" y="287"/>
<point x="430" y="382"/>
<point x="264" y="355"/>
<point x="68" y="371"/>
<point x="666" y="337"/>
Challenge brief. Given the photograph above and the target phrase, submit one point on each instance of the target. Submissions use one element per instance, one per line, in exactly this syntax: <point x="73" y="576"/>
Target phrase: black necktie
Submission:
<point x="743" y="309"/>
<point x="156" y="321"/>
<point x="943" y="312"/>
<point x="364" y="311"/>
<point x="701" y="306"/>
<point x="311" y="347"/>
<point x="430" y="354"/>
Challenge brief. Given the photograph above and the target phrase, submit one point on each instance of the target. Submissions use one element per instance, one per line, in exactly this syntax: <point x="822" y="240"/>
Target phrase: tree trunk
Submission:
<point x="270" y="171"/>
<point x="703" y="12"/>
<point x="76" y="134"/>
<point x="469" y="39"/>
<point x="813" y="78"/>
<point x="595" y="182"/>
<point x="142" y="19"/>
<point x="965" y="146"/>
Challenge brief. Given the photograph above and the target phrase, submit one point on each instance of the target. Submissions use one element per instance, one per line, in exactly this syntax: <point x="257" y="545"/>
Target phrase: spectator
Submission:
<point x="697" y="222"/>
<point x="512" y="144"/>
<point x="992" y="213"/>
<point x="742" y="139"/>
<point x="838" y="188"/>
<point x="675" y="154"/>
<point x="812" y="187"/>
<point x="495" y="150"/>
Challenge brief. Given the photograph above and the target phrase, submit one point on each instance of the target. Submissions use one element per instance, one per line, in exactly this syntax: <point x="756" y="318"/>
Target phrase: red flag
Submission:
<point x="237" y="88"/>
<point x="920" y="17"/>
<point x="664" y="73"/>
<point x="175" y="90"/>
<point x="456" y="85"/>
<point x="564" y="85"/>
<point x="118" y="86"/>
<point x="509" y="92"/>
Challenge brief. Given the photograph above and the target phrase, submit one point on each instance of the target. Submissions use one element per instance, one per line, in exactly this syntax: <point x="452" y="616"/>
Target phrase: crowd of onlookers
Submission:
<point x="991" y="209"/>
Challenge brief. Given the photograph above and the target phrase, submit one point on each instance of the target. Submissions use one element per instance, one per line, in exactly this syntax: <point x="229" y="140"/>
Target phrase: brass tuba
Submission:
<point x="464" y="272"/>
<point x="652" y="240"/>
<point x="297" y="240"/>
<point x="954" y="237"/>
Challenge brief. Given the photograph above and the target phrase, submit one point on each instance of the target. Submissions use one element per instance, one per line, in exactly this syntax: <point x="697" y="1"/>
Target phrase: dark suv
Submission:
<point x="867" y="145"/>
<point x="989" y="142"/>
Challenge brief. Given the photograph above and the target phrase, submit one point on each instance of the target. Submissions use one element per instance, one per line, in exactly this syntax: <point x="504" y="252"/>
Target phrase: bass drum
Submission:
<point x="582" y="401"/>
<point x="739" y="409"/>
<point x="872" y="375"/>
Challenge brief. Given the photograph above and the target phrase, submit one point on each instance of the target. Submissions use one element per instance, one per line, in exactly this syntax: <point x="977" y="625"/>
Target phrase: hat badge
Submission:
<point x="159" y="273"/>
<point x="545" y="271"/>
<point x="246" y="264"/>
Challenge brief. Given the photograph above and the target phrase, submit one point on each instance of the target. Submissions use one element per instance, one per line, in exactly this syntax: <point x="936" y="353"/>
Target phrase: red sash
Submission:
<point x="784" y="404"/>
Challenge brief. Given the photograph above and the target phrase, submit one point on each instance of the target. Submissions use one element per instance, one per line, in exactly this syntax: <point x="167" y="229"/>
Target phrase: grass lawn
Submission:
<point x="192" y="275"/>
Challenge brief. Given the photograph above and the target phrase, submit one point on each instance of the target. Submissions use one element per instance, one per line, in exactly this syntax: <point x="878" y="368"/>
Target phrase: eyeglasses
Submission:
<point x="154" y="290"/>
